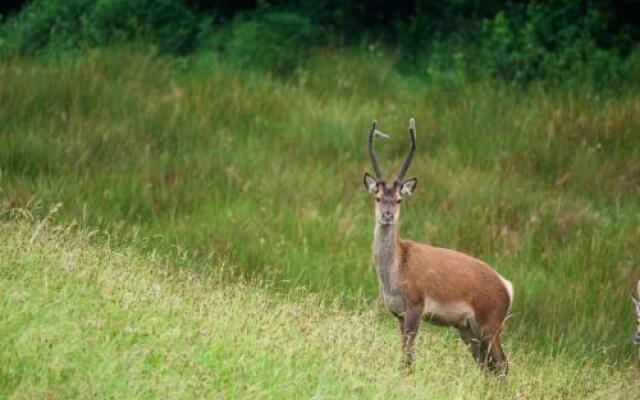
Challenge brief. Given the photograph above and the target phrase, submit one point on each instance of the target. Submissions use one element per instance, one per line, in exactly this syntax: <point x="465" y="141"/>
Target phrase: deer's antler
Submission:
<point x="373" y="132"/>
<point x="412" y="149"/>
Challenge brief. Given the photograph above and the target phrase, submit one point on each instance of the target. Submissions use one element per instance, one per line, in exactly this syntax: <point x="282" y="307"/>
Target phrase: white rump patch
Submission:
<point x="509" y="286"/>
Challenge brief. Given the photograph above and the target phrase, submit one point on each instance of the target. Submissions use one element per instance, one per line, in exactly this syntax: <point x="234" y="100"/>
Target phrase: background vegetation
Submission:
<point x="229" y="140"/>
<point x="513" y="40"/>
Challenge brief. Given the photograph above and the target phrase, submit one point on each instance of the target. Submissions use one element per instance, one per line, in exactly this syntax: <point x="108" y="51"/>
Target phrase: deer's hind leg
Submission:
<point x="485" y="347"/>
<point x="477" y="349"/>
<point x="491" y="354"/>
<point x="497" y="361"/>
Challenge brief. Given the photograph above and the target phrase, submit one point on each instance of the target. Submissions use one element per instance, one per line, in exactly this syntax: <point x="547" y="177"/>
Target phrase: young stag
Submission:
<point x="636" y="303"/>
<point x="442" y="286"/>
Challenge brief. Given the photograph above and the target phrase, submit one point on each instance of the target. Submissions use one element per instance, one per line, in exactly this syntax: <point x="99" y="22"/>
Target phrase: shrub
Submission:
<point x="46" y="23"/>
<point x="548" y="41"/>
<point x="274" y="41"/>
<point x="71" y="24"/>
<point x="168" y="24"/>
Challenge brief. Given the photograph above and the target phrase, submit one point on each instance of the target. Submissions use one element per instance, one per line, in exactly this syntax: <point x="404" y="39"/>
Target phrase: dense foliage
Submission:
<point x="513" y="40"/>
<point x="74" y="24"/>
<point x="276" y="41"/>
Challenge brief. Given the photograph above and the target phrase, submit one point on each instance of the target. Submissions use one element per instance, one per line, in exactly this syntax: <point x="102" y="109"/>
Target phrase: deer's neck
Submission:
<point x="386" y="245"/>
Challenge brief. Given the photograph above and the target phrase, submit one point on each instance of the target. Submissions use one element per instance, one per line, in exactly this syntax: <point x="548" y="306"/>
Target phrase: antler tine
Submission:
<point x="372" y="154"/>
<point x="412" y="149"/>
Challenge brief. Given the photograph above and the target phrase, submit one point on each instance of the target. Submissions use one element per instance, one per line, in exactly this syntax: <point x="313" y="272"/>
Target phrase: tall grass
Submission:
<point x="210" y="163"/>
<point x="80" y="319"/>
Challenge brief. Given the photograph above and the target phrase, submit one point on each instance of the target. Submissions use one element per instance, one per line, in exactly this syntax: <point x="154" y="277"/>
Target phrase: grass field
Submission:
<point x="260" y="178"/>
<point x="79" y="319"/>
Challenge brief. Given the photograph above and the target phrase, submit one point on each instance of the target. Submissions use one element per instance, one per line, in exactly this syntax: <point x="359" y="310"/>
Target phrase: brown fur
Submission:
<point x="453" y="279"/>
<point x="439" y="285"/>
<point x="442" y="286"/>
<point x="450" y="276"/>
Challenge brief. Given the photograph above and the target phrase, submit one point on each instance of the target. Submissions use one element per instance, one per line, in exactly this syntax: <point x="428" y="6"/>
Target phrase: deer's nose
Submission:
<point x="387" y="215"/>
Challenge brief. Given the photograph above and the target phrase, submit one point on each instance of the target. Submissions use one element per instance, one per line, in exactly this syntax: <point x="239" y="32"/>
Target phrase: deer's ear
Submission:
<point x="370" y="183"/>
<point x="408" y="187"/>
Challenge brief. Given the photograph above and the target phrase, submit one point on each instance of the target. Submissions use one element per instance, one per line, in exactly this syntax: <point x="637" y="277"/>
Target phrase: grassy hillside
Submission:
<point x="212" y="165"/>
<point x="79" y="319"/>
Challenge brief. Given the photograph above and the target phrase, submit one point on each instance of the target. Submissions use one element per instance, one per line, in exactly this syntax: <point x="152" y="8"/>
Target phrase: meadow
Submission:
<point x="80" y="319"/>
<point x="237" y="176"/>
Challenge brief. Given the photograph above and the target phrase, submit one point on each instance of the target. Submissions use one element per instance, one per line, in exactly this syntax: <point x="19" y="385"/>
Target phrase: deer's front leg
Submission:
<point x="411" y="322"/>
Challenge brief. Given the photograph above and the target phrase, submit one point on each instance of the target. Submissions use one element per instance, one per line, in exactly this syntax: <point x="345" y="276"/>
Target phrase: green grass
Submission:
<point x="80" y="319"/>
<point x="212" y="165"/>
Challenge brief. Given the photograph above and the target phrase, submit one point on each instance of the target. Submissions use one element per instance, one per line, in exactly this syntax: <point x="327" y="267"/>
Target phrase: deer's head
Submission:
<point x="389" y="196"/>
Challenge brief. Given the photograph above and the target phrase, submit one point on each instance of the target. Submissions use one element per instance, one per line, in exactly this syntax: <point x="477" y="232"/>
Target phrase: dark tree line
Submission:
<point x="386" y="18"/>
<point x="514" y="40"/>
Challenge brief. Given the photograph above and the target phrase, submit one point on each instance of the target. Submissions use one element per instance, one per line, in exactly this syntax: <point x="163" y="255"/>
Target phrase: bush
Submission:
<point x="550" y="41"/>
<point x="46" y="23"/>
<point x="71" y="24"/>
<point x="168" y="24"/>
<point x="511" y="40"/>
<point x="274" y="41"/>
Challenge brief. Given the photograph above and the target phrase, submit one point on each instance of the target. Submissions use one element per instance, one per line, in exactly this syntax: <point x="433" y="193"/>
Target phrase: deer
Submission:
<point x="636" y="304"/>
<point x="422" y="282"/>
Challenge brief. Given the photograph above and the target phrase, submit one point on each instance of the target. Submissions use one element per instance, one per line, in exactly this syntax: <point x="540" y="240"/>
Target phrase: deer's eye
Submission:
<point x="377" y="199"/>
<point x="399" y="201"/>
